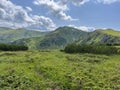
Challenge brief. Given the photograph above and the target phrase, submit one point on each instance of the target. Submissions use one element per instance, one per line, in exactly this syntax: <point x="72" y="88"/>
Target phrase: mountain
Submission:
<point x="100" y="36"/>
<point x="55" y="39"/>
<point x="59" y="38"/>
<point x="62" y="36"/>
<point x="8" y="35"/>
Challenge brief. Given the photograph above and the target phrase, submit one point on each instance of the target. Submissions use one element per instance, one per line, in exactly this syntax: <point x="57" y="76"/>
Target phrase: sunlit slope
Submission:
<point x="107" y="36"/>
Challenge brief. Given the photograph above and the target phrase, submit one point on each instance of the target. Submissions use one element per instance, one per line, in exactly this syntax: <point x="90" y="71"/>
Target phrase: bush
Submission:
<point x="71" y="48"/>
<point x="96" y="49"/>
<point x="10" y="47"/>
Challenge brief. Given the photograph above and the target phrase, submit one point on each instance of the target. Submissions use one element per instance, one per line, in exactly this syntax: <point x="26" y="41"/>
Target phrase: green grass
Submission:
<point x="54" y="70"/>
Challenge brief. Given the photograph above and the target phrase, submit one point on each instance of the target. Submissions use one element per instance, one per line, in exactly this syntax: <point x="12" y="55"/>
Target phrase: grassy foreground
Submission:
<point x="54" y="70"/>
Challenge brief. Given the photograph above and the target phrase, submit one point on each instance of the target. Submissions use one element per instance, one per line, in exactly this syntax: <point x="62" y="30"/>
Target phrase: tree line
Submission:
<point x="112" y="44"/>
<point x="11" y="47"/>
<point x="96" y="49"/>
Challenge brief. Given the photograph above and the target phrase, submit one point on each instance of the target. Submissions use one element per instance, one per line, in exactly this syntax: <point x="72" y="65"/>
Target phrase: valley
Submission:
<point x="44" y="65"/>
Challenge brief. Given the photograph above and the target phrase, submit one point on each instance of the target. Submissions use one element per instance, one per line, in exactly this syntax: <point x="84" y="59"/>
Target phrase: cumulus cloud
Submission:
<point x="12" y="15"/>
<point x="84" y="28"/>
<point x="41" y="22"/>
<point x="57" y="8"/>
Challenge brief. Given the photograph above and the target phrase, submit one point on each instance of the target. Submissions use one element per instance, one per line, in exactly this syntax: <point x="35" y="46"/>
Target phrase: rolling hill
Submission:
<point x="8" y="35"/>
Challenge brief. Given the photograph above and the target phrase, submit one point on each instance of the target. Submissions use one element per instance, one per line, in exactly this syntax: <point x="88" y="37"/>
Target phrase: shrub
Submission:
<point x="71" y="48"/>
<point x="96" y="49"/>
<point x="10" y="47"/>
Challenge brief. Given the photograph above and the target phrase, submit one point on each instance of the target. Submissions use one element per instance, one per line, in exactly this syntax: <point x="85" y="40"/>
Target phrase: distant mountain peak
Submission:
<point x="68" y="28"/>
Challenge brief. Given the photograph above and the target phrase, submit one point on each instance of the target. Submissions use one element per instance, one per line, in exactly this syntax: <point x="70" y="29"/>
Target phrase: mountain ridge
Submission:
<point x="59" y="38"/>
<point x="100" y="36"/>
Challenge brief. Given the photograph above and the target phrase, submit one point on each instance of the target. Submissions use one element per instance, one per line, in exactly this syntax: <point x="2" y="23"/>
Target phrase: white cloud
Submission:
<point x="107" y="1"/>
<point x="15" y="16"/>
<point x="83" y="28"/>
<point x="57" y="8"/>
<point x="41" y="22"/>
<point x="79" y="2"/>
<point x="75" y="2"/>
<point x="29" y="8"/>
<point x="12" y="15"/>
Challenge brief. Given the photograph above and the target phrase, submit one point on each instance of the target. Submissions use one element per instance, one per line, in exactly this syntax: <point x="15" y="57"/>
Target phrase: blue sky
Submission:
<point x="50" y="14"/>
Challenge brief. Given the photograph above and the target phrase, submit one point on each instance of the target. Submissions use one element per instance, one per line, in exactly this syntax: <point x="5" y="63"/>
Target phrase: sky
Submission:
<point x="47" y="15"/>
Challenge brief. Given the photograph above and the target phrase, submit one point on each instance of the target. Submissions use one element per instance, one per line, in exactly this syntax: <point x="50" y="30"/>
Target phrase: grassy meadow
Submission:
<point x="55" y="70"/>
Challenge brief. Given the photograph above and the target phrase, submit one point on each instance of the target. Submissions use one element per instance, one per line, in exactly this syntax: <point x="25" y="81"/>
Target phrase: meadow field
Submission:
<point x="55" y="70"/>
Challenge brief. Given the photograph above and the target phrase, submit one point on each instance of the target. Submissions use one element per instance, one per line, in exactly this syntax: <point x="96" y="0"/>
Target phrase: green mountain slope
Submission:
<point x="55" y="39"/>
<point x="8" y="35"/>
<point x="110" y="32"/>
<point x="107" y="36"/>
<point x="62" y="36"/>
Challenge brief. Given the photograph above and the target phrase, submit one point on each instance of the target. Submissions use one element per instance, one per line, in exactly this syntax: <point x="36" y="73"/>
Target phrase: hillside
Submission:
<point x="55" y="39"/>
<point x="8" y="35"/>
<point x="110" y="32"/>
<point x="62" y="36"/>
<point x="100" y="36"/>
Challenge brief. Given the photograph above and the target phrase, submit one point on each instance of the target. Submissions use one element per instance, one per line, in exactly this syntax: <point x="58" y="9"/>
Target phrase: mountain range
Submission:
<point x="58" y="38"/>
